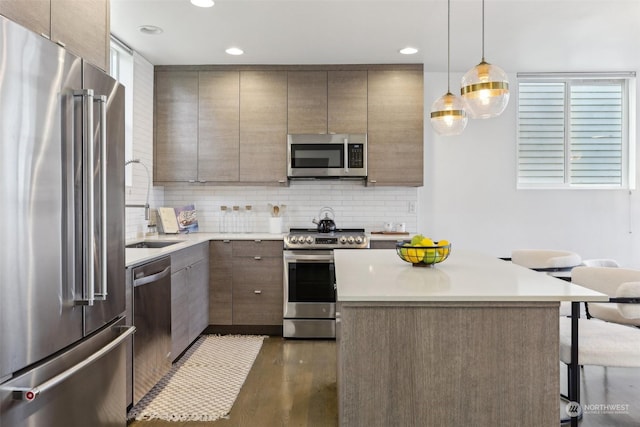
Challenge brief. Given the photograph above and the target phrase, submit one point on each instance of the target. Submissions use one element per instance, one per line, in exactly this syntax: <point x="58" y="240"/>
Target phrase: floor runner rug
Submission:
<point x="204" y="383"/>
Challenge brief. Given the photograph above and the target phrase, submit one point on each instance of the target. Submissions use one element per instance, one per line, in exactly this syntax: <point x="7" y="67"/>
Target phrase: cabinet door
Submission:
<point x="307" y="102"/>
<point x="263" y="126"/>
<point x="176" y="126"/>
<point x="218" y="126"/>
<point x="198" y="275"/>
<point x="257" y="291"/>
<point x="347" y="101"/>
<point x="220" y="283"/>
<point x="179" y="313"/>
<point x="34" y="15"/>
<point x="395" y="135"/>
<point x="83" y="27"/>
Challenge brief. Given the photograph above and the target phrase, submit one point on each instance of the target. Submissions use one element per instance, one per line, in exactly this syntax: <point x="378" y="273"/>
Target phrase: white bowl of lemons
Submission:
<point x="423" y="251"/>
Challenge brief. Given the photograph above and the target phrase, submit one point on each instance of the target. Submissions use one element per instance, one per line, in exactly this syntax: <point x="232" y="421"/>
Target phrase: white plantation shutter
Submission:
<point x="573" y="131"/>
<point x="541" y="133"/>
<point x="596" y="133"/>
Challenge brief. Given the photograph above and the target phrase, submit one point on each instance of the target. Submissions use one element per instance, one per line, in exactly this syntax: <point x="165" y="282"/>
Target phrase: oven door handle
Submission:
<point x="291" y="258"/>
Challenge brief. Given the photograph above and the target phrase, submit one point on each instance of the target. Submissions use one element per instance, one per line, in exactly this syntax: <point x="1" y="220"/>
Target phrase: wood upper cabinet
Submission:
<point x="219" y="126"/>
<point x="327" y="101"/>
<point x="176" y="126"/>
<point x="82" y="26"/>
<point x="395" y="134"/>
<point x="263" y="126"/>
<point x="34" y="14"/>
<point x="307" y="102"/>
<point x="347" y="101"/>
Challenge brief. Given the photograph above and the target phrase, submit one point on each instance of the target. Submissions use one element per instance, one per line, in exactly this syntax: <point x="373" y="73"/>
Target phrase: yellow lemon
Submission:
<point x="427" y="242"/>
<point x="414" y="255"/>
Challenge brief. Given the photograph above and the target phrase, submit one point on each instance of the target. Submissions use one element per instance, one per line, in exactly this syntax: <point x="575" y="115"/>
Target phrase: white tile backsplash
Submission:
<point x="354" y="204"/>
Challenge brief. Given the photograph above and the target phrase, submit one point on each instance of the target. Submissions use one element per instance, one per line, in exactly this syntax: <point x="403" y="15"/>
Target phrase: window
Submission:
<point x="576" y="131"/>
<point x="122" y="70"/>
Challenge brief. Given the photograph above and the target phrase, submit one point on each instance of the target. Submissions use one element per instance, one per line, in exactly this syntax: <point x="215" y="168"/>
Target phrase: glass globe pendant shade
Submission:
<point x="448" y="116"/>
<point x="485" y="91"/>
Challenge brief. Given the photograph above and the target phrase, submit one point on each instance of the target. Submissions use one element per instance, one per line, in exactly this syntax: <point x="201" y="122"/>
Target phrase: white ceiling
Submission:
<point x="520" y="35"/>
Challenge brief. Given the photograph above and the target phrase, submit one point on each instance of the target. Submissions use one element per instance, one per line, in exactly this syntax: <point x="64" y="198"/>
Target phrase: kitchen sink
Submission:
<point x="152" y="244"/>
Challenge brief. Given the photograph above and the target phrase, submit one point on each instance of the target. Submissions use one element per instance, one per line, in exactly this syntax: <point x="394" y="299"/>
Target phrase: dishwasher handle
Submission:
<point x="153" y="277"/>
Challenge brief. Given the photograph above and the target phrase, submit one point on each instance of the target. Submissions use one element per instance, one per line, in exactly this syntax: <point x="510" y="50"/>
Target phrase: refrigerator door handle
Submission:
<point x="101" y="294"/>
<point x="88" y="240"/>
<point x="28" y="394"/>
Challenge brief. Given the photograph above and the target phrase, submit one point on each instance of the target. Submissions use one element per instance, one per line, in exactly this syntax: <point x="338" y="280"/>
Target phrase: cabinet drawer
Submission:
<point x="185" y="257"/>
<point x="261" y="248"/>
<point x="257" y="291"/>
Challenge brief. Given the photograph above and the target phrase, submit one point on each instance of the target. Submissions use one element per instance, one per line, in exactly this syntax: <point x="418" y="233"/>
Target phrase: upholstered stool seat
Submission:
<point x="601" y="343"/>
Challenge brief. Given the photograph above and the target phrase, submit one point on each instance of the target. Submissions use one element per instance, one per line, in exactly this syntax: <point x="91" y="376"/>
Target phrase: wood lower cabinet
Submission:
<point x="189" y="296"/>
<point x="220" y="282"/>
<point x="246" y="282"/>
<point x="395" y="135"/>
<point x="383" y="244"/>
<point x="81" y="26"/>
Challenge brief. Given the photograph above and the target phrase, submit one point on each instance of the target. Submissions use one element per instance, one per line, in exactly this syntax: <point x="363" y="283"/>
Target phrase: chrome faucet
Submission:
<point x="146" y="205"/>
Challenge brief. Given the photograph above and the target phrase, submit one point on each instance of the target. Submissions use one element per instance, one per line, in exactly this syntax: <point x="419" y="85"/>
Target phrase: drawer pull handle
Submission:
<point x="257" y="258"/>
<point x="258" y="241"/>
<point x="257" y="292"/>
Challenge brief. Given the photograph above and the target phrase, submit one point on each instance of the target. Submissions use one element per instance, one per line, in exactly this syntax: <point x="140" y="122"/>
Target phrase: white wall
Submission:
<point x="136" y="194"/>
<point x="470" y="196"/>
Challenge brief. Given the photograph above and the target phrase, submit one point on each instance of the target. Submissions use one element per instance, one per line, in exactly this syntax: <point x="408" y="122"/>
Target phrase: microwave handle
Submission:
<point x="346" y="155"/>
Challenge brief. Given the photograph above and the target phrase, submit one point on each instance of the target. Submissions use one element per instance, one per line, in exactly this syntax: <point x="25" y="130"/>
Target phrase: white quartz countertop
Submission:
<point x="137" y="256"/>
<point x="381" y="276"/>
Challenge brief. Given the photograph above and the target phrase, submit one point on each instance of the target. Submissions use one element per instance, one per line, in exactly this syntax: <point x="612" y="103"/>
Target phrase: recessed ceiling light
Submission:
<point x="202" y="3"/>
<point x="150" y="29"/>
<point x="234" y="51"/>
<point x="408" y="51"/>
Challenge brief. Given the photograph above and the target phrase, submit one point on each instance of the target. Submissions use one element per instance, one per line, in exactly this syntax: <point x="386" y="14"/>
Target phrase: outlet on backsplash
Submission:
<point x="412" y="207"/>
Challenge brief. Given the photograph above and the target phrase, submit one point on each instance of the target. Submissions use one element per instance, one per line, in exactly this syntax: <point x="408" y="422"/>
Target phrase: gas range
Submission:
<point x="346" y="238"/>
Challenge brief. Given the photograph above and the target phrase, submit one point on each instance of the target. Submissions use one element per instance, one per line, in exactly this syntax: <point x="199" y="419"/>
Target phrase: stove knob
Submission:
<point x="350" y="240"/>
<point x="358" y="239"/>
<point x="343" y="239"/>
<point x="309" y="239"/>
<point x="293" y="239"/>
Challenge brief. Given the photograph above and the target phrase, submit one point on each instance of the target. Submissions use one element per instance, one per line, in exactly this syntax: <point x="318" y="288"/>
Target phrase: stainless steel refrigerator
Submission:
<point x="62" y="272"/>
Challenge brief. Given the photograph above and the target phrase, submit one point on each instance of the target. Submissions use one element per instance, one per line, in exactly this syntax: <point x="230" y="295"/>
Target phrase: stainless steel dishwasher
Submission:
<point x="152" y="319"/>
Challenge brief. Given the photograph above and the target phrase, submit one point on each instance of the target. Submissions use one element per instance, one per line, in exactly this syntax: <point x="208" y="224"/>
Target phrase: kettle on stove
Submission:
<point x="326" y="223"/>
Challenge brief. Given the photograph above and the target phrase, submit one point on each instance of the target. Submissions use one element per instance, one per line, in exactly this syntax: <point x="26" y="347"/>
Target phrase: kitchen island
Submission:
<point x="472" y="341"/>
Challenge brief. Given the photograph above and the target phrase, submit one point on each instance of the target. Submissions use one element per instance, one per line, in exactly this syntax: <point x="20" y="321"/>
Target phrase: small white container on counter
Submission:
<point x="275" y="225"/>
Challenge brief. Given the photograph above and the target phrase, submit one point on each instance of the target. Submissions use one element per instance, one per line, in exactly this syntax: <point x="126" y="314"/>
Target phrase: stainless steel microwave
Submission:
<point x="327" y="156"/>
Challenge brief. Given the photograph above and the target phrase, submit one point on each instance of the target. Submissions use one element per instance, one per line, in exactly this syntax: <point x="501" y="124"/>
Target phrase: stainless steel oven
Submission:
<point x="310" y="294"/>
<point x="310" y="280"/>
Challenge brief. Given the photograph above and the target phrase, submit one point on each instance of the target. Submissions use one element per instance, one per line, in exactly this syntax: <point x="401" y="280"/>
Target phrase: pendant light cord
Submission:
<point x="449" y="46"/>
<point x="483" y="31"/>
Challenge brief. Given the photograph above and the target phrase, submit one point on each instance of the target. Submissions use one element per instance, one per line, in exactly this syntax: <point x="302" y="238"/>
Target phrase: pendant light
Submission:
<point x="485" y="88"/>
<point x="447" y="113"/>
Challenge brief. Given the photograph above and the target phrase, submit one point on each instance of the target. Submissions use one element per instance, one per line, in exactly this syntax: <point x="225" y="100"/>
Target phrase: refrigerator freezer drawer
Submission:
<point x="93" y="395"/>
